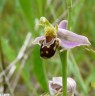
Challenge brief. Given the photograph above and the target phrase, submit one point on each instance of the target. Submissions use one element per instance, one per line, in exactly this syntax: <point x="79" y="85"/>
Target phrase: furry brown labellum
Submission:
<point x="48" y="47"/>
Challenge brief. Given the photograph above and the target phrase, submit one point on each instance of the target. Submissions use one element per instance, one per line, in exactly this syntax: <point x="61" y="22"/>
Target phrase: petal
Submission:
<point x="38" y="40"/>
<point x="71" y="85"/>
<point x="69" y="39"/>
<point x="57" y="80"/>
<point x="52" y="91"/>
<point x="63" y="24"/>
<point x="54" y="86"/>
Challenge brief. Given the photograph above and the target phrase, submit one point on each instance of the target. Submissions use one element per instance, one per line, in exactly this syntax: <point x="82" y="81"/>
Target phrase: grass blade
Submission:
<point x="39" y="69"/>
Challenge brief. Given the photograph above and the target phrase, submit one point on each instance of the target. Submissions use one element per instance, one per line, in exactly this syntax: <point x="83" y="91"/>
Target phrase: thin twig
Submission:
<point x="88" y="48"/>
<point x="18" y="58"/>
<point x="27" y="46"/>
<point x="65" y="13"/>
<point x="23" y="54"/>
<point x="3" y="67"/>
<point x="19" y="72"/>
<point x="21" y="58"/>
<point x="6" y="81"/>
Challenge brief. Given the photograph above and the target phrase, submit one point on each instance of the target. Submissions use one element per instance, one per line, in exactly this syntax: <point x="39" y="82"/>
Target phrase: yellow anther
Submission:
<point x="50" y="30"/>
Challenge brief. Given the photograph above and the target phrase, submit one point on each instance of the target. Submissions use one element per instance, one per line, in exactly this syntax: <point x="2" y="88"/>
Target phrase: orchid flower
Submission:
<point x="55" y="86"/>
<point x="58" y="37"/>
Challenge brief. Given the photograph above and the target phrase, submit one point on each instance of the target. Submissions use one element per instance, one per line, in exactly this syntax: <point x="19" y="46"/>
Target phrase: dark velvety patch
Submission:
<point x="47" y="52"/>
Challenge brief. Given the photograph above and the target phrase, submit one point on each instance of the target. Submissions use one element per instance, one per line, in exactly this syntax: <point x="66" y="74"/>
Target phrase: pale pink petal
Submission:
<point x="38" y="40"/>
<point x="57" y="80"/>
<point x="69" y="39"/>
<point x="55" y="86"/>
<point x="51" y="89"/>
<point x="71" y="86"/>
<point x="63" y="24"/>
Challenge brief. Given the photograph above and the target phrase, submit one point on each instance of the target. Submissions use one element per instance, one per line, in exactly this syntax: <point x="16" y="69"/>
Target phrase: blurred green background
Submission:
<point x="18" y="17"/>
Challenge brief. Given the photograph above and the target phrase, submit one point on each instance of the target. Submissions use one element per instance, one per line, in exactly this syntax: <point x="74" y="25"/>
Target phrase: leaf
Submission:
<point x="8" y="51"/>
<point x="39" y="69"/>
<point x="28" y="12"/>
<point x="26" y="77"/>
<point x="73" y="64"/>
<point x="2" y="3"/>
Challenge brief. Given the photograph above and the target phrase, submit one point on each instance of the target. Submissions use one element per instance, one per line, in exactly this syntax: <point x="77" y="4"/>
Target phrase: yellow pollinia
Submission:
<point x="50" y="30"/>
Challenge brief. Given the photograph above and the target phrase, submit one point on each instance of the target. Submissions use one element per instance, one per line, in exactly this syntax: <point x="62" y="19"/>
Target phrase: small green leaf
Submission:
<point x="39" y="68"/>
<point x="8" y="51"/>
<point x="28" y="12"/>
<point x="72" y="63"/>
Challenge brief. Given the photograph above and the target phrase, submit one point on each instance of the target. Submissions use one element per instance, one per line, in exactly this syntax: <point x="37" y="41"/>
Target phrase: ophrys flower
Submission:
<point x="58" y="38"/>
<point x="55" y="86"/>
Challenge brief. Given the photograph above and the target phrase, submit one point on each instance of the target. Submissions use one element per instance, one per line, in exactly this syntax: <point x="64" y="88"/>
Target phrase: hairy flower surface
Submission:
<point x="58" y="37"/>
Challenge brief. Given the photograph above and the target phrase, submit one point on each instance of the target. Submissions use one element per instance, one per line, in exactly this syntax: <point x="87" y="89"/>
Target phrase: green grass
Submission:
<point x="17" y="18"/>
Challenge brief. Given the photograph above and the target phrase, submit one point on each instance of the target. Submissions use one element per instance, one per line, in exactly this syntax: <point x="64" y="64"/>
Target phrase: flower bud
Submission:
<point x="55" y="86"/>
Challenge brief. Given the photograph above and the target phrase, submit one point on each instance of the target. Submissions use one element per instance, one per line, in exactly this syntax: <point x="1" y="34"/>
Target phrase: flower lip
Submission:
<point x="47" y="49"/>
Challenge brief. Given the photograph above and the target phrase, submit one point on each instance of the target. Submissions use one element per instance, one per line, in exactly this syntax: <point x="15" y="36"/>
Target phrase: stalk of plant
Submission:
<point x="69" y="4"/>
<point x="63" y="55"/>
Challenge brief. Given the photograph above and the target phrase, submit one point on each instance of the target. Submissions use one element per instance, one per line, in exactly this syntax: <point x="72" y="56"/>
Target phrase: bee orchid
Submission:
<point x="55" y="86"/>
<point x="58" y="38"/>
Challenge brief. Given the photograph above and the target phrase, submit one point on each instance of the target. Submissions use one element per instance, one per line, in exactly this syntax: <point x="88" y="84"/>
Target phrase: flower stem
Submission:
<point x="69" y="4"/>
<point x="63" y="57"/>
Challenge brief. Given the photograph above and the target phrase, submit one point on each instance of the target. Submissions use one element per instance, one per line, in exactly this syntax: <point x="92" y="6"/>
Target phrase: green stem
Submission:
<point x="69" y="4"/>
<point x="63" y="57"/>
